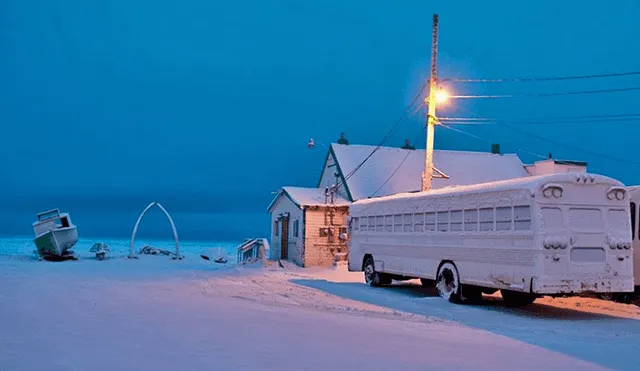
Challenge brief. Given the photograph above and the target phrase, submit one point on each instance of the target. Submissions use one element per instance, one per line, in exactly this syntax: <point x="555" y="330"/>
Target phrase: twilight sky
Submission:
<point x="208" y="105"/>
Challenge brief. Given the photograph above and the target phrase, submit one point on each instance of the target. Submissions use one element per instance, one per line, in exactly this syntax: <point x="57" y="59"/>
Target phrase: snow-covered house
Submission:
<point x="395" y="170"/>
<point x="306" y="226"/>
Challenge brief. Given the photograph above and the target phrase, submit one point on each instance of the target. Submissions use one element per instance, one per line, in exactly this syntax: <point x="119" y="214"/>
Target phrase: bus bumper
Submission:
<point x="549" y="285"/>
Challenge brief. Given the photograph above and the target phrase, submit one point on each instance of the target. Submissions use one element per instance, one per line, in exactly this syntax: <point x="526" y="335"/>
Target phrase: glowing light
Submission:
<point x="442" y="96"/>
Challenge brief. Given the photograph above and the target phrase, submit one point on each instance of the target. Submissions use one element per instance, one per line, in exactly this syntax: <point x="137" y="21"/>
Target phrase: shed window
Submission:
<point x="296" y="227"/>
<point x="456" y="221"/>
<point x="418" y="222"/>
<point x="486" y="219"/>
<point x="443" y="221"/>
<point x="471" y="220"/>
<point x="521" y="218"/>
<point x="503" y="218"/>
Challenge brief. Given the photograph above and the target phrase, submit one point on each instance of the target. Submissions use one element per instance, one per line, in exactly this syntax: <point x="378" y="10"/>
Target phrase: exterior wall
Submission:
<point x="328" y="177"/>
<point x="296" y="247"/>
<point x="550" y="167"/>
<point x="319" y="250"/>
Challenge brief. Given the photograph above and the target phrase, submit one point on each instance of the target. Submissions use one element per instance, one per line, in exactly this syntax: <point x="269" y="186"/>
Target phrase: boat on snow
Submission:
<point x="55" y="235"/>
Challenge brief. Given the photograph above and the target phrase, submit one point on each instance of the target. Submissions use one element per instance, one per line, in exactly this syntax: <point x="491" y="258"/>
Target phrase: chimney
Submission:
<point x="495" y="148"/>
<point x="550" y="156"/>
<point x="326" y="194"/>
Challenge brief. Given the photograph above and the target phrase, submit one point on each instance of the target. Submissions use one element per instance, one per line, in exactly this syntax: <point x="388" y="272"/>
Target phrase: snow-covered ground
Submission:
<point x="162" y="314"/>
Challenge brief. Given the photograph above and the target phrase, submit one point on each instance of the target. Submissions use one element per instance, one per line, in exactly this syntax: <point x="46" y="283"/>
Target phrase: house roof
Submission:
<point x="394" y="170"/>
<point x="302" y="197"/>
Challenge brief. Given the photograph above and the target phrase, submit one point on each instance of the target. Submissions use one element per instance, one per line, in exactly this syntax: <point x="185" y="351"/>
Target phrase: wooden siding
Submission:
<point x="321" y="251"/>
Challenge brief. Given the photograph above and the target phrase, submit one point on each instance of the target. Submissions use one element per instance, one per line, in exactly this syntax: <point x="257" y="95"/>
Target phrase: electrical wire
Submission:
<point x="534" y="79"/>
<point x="631" y="116"/>
<point x="543" y="95"/>
<point x="397" y="168"/>
<point x="389" y="135"/>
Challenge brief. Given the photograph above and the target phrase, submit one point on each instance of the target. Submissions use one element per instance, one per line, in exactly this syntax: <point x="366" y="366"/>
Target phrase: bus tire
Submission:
<point x="371" y="276"/>
<point x="517" y="298"/>
<point x="448" y="282"/>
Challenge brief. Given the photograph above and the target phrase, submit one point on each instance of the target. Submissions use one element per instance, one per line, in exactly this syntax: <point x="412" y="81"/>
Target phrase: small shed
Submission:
<point x="309" y="226"/>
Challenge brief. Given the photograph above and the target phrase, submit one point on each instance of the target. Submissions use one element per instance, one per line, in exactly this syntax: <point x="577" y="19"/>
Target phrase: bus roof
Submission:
<point x="529" y="183"/>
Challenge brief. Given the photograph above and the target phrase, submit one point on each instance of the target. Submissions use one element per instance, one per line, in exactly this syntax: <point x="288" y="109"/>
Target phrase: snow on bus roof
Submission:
<point x="529" y="183"/>
<point x="394" y="170"/>
<point x="308" y="197"/>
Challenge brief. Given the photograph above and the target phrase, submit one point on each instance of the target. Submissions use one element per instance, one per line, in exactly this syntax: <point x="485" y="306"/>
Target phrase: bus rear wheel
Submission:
<point x="371" y="276"/>
<point x="448" y="282"/>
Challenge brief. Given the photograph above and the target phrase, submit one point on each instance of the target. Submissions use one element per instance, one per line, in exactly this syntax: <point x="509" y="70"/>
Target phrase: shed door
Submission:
<point x="284" y="238"/>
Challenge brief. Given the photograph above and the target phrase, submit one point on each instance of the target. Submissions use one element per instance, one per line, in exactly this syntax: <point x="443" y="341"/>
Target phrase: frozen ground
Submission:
<point x="160" y="314"/>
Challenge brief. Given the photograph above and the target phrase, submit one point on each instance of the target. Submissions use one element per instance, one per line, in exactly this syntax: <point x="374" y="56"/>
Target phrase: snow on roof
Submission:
<point x="308" y="197"/>
<point x="375" y="177"/>
<point x="529" y="184"/>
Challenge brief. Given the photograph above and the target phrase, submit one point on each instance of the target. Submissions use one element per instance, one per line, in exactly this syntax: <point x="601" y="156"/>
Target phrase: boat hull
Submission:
<point x="56" y="242"/>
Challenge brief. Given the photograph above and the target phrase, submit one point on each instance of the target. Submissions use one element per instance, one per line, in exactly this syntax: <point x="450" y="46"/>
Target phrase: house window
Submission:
<point x="355" y="222"/>
<point x="296" y="226"/>
<point x="503" y="218"/>
<point x="486" y="219"/>
<point x="456" y="221"/>
<point x="276" y="230"/>
<point x="522" y="218"/>
<point x="471" y="220"/>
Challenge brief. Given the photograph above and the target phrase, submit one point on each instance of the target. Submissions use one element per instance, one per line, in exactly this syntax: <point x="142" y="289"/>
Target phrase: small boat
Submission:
<point x="55" y="235"/>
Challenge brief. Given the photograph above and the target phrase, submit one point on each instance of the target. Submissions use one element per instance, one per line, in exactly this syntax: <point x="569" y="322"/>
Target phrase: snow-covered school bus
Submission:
<point x="557" y="235"/>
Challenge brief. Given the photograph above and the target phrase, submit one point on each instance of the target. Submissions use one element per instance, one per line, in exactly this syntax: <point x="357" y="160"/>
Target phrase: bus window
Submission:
<point x="633" y="220"/>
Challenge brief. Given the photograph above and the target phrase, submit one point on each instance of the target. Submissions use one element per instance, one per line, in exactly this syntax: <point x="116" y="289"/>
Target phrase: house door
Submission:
<point x="284" y="235"/>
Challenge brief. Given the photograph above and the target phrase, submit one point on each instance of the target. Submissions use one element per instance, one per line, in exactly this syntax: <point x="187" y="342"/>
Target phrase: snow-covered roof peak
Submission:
<point x="392" y="170"/>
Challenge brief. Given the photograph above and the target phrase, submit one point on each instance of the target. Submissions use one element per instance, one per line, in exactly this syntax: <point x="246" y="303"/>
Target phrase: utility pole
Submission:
<point x="427" y="175"/>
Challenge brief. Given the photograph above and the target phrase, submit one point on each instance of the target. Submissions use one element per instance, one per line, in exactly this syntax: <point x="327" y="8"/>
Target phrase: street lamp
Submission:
<point x="312" y="144"/>
<point x="442" y="96"/>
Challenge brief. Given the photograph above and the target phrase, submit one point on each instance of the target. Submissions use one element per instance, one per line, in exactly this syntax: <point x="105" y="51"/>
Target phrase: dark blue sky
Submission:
<point x="114" y="102"/>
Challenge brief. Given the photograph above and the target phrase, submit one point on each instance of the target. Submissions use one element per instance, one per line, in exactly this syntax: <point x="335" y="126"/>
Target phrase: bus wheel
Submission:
<point x="448" y="282"/>
<point x="517" y="298"/>
<point x="371" y="277"/>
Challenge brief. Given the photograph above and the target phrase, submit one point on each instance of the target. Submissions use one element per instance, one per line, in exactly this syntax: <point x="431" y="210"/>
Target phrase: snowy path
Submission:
<point x="166" y="315"/>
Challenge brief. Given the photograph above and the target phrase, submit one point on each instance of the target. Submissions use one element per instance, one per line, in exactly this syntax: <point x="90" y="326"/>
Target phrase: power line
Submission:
<point x="534" y="79"/>
<point x="545" y="119"/>
<point x="541" y="95"/>
<point x="390" y="134"/>
<point x="577" y="149"/>
<point x="524" y="150"/>
<point x="543" y="122"/>
<point x="396" y="169"/>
